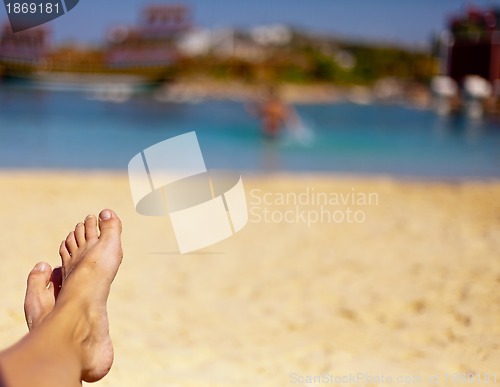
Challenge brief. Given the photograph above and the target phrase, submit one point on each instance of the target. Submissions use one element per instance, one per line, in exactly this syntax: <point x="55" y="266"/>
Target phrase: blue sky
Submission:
<point x="408" y="22"/>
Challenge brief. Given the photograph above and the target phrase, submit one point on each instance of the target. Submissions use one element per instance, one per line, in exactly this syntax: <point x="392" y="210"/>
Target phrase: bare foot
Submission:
<point x="90" y="262"/>
<point x="41" y="293"/>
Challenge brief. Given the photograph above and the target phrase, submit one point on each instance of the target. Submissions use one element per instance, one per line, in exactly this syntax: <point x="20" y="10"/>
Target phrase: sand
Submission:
<point x="409" y="289"/>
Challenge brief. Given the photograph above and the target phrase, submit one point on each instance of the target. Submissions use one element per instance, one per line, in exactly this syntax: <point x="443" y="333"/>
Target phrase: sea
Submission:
<point x="75" y="130"/>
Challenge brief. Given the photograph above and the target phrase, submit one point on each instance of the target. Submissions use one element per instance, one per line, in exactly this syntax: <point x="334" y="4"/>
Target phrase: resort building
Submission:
<point x="24" y="48"/>
<point x="470" y="63"/>
<point x="471" y="46"/>
<point x="153" y="41"/>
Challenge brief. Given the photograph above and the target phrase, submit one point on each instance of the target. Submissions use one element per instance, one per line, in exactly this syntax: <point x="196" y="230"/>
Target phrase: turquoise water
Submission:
<point x="66" y="130"/>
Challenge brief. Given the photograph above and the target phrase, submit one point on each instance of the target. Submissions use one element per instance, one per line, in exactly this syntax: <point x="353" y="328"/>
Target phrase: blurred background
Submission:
<point x="394" y="99"/>
<point x="403" y="89"/>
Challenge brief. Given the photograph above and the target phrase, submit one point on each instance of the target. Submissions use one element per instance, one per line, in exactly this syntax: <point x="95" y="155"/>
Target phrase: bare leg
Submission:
<point x="71" y="342"/>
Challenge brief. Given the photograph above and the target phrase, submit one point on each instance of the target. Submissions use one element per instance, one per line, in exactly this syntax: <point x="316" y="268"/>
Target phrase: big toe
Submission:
<point x="40" y="298"/>
<point x="110" y="225"/>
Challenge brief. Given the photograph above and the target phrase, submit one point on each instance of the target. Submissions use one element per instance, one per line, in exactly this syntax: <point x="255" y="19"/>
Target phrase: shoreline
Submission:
<point x="255" y="174"/>
<point x="386" y="91"/>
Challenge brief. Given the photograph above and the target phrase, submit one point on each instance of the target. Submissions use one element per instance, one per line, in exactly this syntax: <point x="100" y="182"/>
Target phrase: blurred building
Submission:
<point x="165" y="22"/>
<point x="469" y="79"/>
<point x="471" y="45"/>
<point x="153" y="41"/>
<point x="23" y="49"/>
<point x="253" y="45"/>
<point x="146" y="51"/>
<point x="272" y="35"/>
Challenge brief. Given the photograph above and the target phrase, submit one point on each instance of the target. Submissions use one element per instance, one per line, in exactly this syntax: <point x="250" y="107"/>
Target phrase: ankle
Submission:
<point x="72" y="316"/>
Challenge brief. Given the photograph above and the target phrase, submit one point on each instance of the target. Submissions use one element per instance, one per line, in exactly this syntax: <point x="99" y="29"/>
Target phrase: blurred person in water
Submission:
<point x="274" y="114"/>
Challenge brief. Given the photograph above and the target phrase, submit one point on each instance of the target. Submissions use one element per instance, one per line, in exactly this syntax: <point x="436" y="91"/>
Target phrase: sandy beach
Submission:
<point x="409" y="288"/>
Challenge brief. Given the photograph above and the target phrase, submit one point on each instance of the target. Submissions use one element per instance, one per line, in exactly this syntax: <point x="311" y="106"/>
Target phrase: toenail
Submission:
<point x="105" y="214"/>
<point x="89" y="217"/>
<point x="41" y="266"/>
